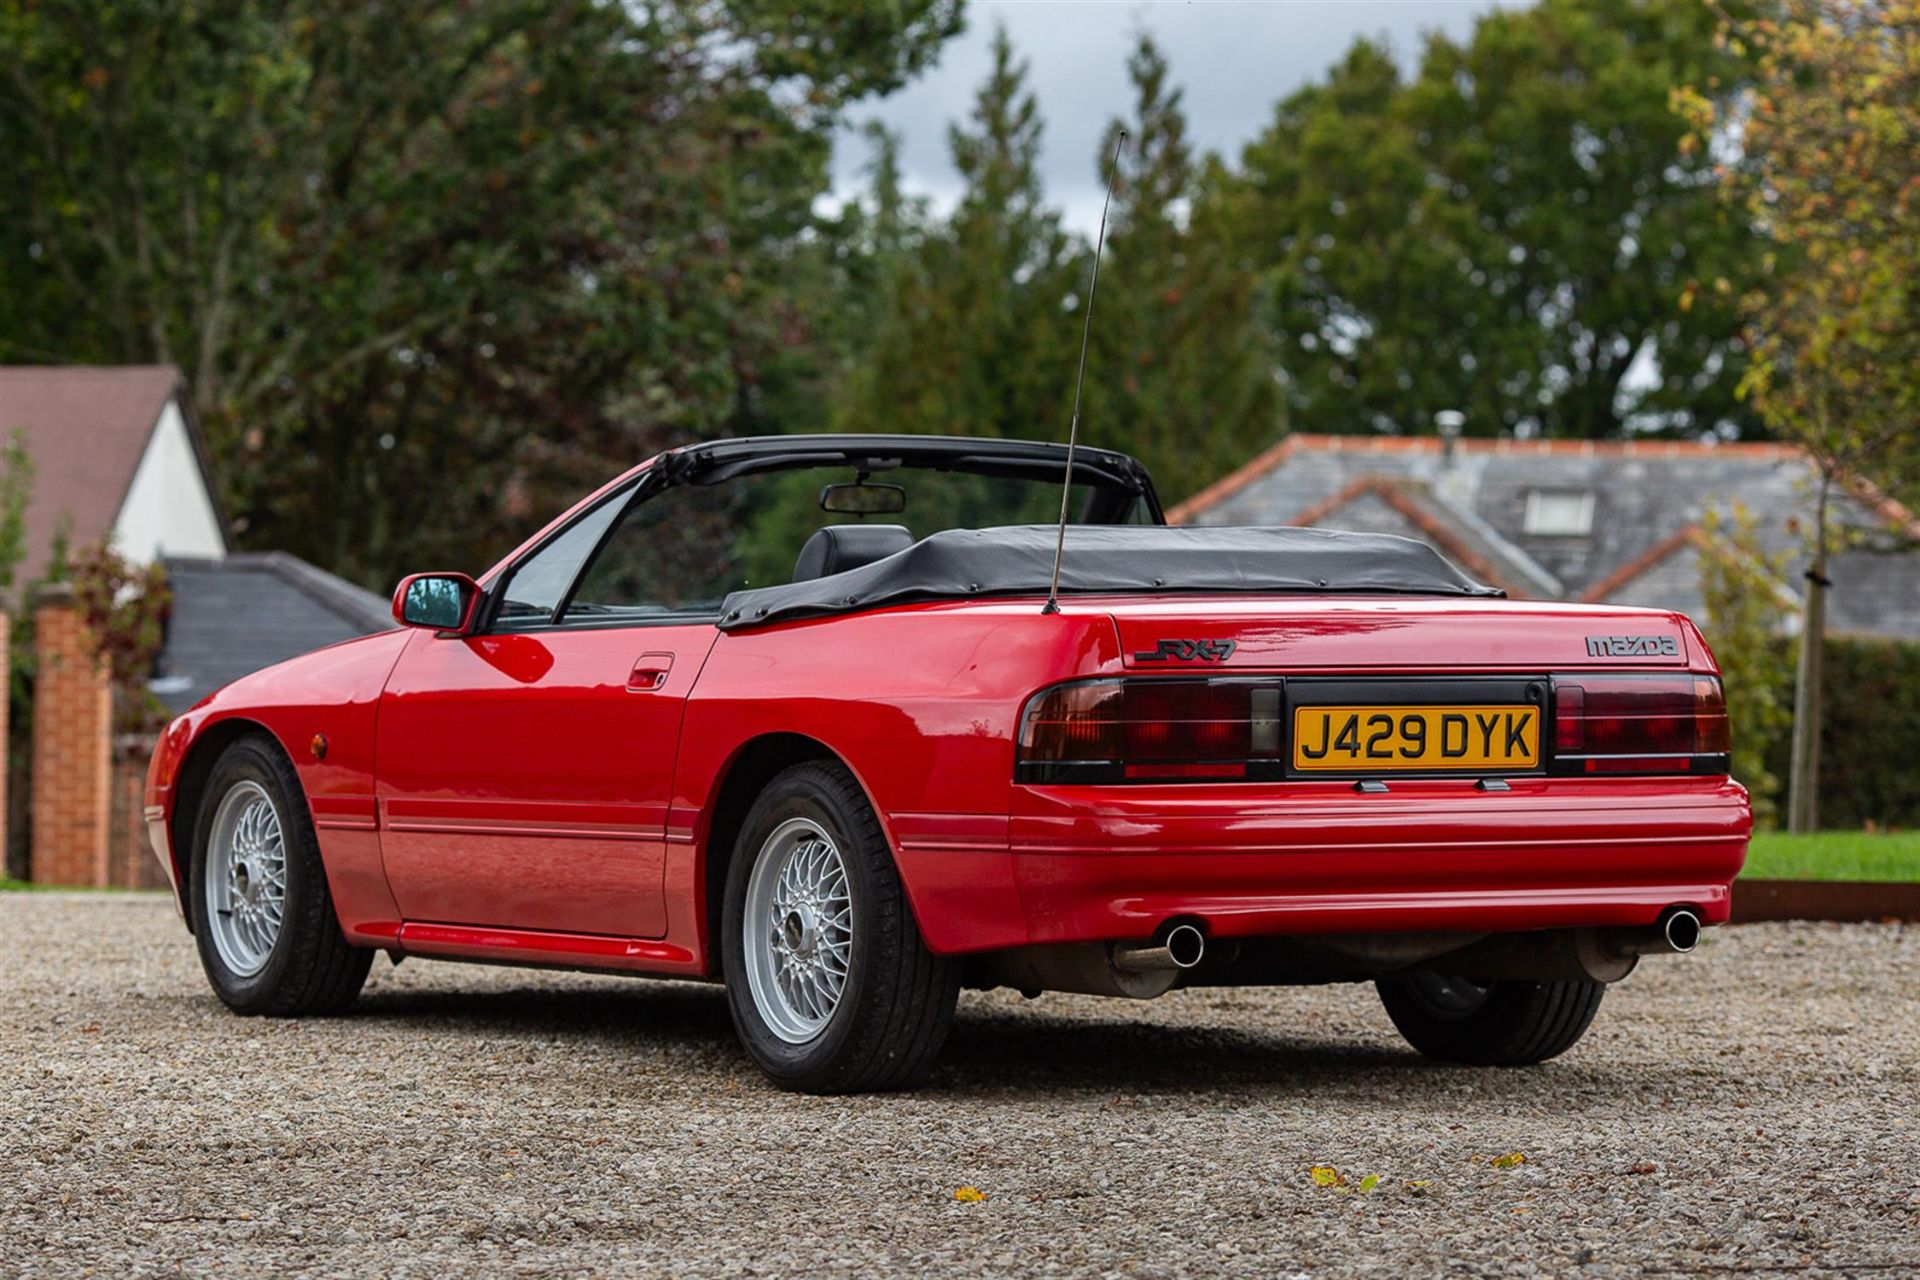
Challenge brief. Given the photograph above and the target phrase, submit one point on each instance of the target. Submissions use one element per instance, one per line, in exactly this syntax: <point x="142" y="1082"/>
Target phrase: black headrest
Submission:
<point x="840" y="547"/>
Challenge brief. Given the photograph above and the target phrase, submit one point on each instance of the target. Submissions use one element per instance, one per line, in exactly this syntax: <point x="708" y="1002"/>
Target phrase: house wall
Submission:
<point x="167" y="509"/>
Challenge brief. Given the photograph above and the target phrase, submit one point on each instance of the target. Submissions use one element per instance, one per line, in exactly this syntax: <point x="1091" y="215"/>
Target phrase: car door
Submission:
<point x="524" y="770"/>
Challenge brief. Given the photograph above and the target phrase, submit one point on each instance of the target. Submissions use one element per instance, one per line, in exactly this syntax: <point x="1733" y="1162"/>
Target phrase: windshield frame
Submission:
<point x="1118" y="483"/>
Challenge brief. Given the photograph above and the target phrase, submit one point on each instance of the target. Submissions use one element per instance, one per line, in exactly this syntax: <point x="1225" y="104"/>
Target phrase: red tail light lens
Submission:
<point x="1639" y="724"/>
<point x="1121" y="730"/>
<point x="1074" y="722"/>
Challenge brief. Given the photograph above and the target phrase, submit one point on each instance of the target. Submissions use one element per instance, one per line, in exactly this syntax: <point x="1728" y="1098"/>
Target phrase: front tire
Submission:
<point x="1503" y="1023"/>
<point x="831" y="988"/>
<point x="269" y="940"/>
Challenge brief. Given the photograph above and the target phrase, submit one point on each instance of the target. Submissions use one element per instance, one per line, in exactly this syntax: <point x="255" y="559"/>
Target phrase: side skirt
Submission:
<point x="550" y="950"/>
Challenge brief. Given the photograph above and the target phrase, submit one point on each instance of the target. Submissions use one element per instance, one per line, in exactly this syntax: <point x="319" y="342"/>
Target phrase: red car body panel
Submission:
<point x="524" y="779"/>
<point x="332" y="695"/>
<point x="552" y="797"/>
<point x="552" y="814"/>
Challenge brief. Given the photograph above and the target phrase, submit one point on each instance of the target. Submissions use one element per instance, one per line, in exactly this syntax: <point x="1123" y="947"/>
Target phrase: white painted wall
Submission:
<point x="168" y="509"/>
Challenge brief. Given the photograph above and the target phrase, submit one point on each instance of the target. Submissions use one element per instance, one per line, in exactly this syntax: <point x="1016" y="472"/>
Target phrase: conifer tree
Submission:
<point x="1180" y="374"/>
<point x="980" y="336"/>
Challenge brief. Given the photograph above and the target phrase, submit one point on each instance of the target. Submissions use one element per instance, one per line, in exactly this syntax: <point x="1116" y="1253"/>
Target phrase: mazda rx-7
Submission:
<point x="823" y="719"/>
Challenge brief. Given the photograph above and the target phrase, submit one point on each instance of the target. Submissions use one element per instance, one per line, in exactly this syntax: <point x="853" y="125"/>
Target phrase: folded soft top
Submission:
<point x="1114" y="559"/>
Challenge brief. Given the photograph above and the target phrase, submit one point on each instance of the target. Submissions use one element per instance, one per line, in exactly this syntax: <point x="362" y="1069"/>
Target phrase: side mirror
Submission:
<point x="436" y="601"/>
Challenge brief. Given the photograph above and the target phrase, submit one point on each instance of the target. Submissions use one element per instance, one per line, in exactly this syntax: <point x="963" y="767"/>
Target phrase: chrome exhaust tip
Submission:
<point x="1185" y="945"/>
<point x="1681" y="929"/>
<point x="1182" y="947"/>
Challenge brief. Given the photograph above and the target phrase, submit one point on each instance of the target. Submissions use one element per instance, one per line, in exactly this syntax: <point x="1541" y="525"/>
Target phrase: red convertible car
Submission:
<point x="798" y="715"/>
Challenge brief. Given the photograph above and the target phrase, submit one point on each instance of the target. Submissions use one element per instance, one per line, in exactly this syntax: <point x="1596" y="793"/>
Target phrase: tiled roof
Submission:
<point x="1460" y="535"/>
<point x="1401" y="446"/>
<point x="1470" y="499"/>
<point x="86" y="427"/>
<point x="233" y="616"/>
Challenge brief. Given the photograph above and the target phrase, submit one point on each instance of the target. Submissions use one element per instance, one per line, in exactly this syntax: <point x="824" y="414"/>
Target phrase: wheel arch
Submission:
<point x="756" y="763"/>
<point x="190" y="788"/>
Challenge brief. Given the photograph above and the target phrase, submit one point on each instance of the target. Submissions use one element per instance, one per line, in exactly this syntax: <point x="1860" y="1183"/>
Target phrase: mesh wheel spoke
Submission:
<point x="246" y="896"/>
<point x="799" y="930"/>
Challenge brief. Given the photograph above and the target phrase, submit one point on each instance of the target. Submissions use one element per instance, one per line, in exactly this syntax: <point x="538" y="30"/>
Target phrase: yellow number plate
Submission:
<point x="1392" y="739"/>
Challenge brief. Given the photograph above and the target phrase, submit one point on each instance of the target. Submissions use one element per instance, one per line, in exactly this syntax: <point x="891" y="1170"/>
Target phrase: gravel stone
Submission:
<point x="1748" y="1110"/>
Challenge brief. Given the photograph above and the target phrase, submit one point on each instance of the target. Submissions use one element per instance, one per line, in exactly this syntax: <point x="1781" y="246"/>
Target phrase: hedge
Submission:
<point x="1870" y="735"/>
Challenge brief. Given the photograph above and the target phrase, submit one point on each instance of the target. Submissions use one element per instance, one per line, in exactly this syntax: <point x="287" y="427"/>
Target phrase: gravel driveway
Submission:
<point x="1747" y="1110"/>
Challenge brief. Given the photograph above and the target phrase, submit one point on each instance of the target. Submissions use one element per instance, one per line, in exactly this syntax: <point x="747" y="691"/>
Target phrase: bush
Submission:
<point x="1870" y="741"/>
<point x="1870" y="737"/>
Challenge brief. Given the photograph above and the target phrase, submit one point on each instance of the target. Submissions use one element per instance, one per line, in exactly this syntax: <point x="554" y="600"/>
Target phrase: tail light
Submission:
<point x="1151" y="730"/>
<point x="1639" y="724"/>
<point x="1177" y="729"/>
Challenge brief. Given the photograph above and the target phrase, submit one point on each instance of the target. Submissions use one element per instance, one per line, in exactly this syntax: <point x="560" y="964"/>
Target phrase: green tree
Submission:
<point x="1508" y="233"/>
<point x="847" y="280"/>
<point x="980" y="339"/>
<point x="1828" y="169"/>
<point x="1180" y="375"/>
<point x="429" y="267"/>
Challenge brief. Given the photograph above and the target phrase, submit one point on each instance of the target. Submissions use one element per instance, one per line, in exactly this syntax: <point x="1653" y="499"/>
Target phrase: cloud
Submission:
<point x="1234" y="60"/>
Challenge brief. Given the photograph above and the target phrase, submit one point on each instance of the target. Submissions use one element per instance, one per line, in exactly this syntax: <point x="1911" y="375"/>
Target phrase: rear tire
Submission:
<point x="269" y="939"/>
<point x="1504" y="1023"/>
<point x="831" y="988"/>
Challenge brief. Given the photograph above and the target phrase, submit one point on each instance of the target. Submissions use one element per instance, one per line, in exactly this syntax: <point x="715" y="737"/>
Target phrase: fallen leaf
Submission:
<point x="1325" y="1175"/>
<point x="969" y="1195"/>
<point x="1510" y="1160"/>
<point x="1645" y="1166"/>
<point x="1369" y="1182"/>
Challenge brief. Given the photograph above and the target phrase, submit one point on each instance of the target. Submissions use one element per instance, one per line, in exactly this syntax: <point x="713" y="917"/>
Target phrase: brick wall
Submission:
<point x="72" y="747"/>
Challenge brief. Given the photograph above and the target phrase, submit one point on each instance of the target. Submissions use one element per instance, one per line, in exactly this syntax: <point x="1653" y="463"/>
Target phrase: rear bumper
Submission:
<point x="1085" y="864"/>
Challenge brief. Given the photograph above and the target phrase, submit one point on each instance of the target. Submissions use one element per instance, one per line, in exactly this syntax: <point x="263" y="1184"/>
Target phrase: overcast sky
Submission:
<point x="1234" y="58"/>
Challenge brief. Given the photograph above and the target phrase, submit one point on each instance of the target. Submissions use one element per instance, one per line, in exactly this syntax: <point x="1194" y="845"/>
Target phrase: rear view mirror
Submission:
<point x="863" y="499"/>
<point x="436" y="601"/>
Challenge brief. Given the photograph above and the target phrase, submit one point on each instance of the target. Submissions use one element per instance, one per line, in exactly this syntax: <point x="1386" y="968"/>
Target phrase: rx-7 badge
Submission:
<point x="1188" y="651"/>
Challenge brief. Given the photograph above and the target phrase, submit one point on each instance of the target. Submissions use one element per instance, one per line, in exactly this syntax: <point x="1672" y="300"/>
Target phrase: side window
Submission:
<point x="671" y="556"/>
<point x="538" y="584"/>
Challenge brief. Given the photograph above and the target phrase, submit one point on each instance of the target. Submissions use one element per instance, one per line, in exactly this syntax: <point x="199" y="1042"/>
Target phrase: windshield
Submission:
<point x="680" y="552"/>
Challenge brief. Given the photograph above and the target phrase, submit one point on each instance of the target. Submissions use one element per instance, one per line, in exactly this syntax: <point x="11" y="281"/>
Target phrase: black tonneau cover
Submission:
<point x="1114" y="559"/>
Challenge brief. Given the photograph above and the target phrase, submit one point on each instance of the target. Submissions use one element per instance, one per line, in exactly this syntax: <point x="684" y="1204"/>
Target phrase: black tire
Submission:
<point x="310" y="967"/>
<point x="1504" y="1023"/>
<point x="897" y="1003"/>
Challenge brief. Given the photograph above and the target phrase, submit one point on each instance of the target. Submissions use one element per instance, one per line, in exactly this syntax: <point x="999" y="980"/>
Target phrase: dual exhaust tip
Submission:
<point x="1180" y="947"/>
<point x="1183" y="946"/>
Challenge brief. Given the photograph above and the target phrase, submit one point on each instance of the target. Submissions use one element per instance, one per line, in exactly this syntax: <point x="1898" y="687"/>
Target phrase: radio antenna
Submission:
<point x="1080" y="381"/>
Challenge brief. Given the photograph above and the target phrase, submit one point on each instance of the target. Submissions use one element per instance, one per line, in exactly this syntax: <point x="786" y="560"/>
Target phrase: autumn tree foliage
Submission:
<point x="1825" y="162"/>
<point x="125" y="606"/>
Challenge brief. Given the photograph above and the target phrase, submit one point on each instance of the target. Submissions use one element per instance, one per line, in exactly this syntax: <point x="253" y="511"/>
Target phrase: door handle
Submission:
<point x="649" y="673"/>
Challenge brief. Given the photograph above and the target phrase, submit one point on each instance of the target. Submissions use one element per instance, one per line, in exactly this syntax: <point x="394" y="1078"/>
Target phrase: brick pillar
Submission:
<point x="72" y="745"/>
